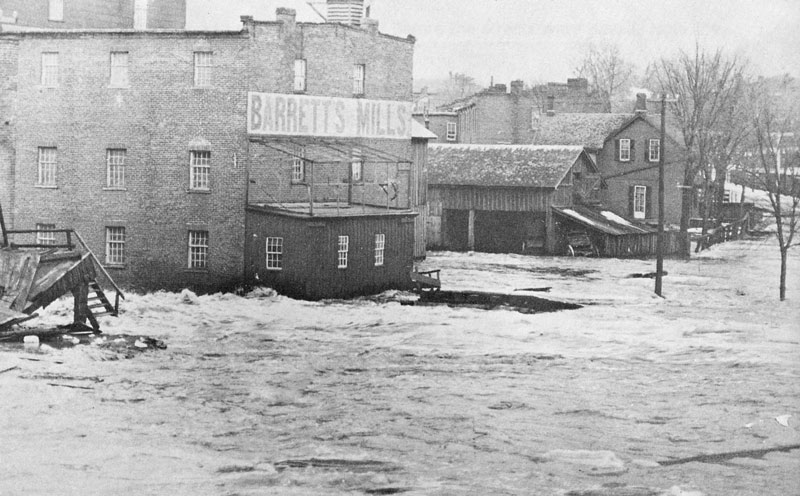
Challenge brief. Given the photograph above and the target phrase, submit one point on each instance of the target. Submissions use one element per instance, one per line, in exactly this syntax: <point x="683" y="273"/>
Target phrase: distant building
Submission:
<point x="16" y="15"/>
<point x="498" y="115"/>
<point x="282" y="154"/>
<point x="626" y="149"/>
<point x="595" y="173"/>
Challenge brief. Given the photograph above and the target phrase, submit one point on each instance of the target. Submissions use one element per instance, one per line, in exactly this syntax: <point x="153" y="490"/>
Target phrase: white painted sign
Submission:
<point x="275" y="114"/>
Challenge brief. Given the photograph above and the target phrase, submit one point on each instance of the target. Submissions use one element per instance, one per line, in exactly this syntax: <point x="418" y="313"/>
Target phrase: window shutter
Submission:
<point x="648" y="202"/>
<point x="630" y="200"/>
<point x="616" y="150"/>
<point x="646" y="150"/>
<point x="633" y="151"/>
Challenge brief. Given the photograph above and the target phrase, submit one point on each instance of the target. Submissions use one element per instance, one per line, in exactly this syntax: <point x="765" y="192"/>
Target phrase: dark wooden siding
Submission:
<point x="310" y="254"/>
<point x="419" y="194"/>
<point x="503" y="199"/>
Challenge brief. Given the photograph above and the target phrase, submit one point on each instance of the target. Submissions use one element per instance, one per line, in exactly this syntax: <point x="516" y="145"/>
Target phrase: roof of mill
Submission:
<point x="500" y="165"/>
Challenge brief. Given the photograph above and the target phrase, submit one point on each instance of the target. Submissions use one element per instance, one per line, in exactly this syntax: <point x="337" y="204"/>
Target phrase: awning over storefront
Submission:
<point x="603" y="221"/>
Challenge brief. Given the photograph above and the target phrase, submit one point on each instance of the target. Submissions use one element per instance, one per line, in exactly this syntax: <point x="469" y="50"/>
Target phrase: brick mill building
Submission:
<point x="282" y="154"/>
<point x="16" y="15"/>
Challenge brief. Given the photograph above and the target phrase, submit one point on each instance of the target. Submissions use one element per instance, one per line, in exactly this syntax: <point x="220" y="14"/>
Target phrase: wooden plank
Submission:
<point x="18" y="272"/>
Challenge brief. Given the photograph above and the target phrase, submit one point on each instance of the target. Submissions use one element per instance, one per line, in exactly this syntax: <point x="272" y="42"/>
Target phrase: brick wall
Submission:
<point x="8" y="86"/>
<point x="90" y="14"/>
<point x="617" y="195"/>
<point x="158" y="120"/>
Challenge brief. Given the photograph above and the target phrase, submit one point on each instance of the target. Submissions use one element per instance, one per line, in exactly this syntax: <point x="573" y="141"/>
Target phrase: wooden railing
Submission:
<point x="644" y="244"/>
<point x="70" y="245"/>
<point x="721" y="234"/>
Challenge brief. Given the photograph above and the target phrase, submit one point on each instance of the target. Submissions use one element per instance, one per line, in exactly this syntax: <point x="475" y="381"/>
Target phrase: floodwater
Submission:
<point x="631" y="395"/>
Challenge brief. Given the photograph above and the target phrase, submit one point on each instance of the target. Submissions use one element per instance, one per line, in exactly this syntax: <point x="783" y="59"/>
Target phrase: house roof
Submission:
<point x="589" y="130"/>
<point x="592" y="130"/>
<point x="500" y="165"/>
<point x="604" y="221"/>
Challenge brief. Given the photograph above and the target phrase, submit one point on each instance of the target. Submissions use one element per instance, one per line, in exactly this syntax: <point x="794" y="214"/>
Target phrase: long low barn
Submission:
<point x="498" y="198"/>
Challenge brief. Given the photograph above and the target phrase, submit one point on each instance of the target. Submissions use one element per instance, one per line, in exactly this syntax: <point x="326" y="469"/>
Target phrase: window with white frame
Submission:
<point x="299" y="75"/>
<point x="56" y="10"/>
<point x="343" y="247"/>
<point x="140" y="14"/>
<point x="203" y="68"/>
<point x="47" y="166"/>
<point x="654" y="150"/>
<point x="43" y="237"/>
<point x="639" y="202"/>
<point x="624" y="150"/>
<point x="199" y="170"/>
<point x="357" y="167"/>
<point x="274" y="253"/>
<point x="198" y="249"/>
<point x="299" y="165"/>
<point x="119" y="70"/>
<point x="50" y="69"/>
<point x="380" y="245"/>
<point x="359" y="77"/>
<point x="115" y="168"/>
<point x="451" y="131"/>
<point x="115" y="245"/>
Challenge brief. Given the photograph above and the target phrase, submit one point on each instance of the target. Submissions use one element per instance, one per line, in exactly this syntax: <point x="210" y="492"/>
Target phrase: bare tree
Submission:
<point x="709" y="89"/>
<point x="459" y="86"/>
<point x="607" y="72"/>
<point x="774" y="160"/>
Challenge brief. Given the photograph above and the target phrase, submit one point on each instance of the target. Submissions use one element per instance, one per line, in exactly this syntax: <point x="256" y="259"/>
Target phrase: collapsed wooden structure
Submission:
<point x="33" y="274"/>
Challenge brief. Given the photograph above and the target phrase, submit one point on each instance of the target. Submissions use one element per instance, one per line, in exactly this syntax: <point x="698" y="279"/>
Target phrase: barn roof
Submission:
<point x="500" y="165"/>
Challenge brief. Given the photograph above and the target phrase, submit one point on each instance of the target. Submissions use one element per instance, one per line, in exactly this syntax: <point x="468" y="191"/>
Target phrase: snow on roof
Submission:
<point x="578" y="216"/>
<point x="602" y="220"/>
<point x="500" y="165"/>
<point x="615" y="218"/>
<point x="420" y="131"/>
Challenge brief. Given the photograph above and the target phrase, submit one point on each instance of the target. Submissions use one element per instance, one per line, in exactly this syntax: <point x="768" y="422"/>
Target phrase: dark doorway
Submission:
<point x="455" y="227"/>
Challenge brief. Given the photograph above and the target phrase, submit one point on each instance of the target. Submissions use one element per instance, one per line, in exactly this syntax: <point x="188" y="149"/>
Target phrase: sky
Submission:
<point x="544" y="40"/>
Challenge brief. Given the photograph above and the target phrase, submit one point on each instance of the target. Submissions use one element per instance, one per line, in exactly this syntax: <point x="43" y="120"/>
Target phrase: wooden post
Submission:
<point x="81" y="306"/>
<point x="471" y="231"/>
<point x="3" y="227"/>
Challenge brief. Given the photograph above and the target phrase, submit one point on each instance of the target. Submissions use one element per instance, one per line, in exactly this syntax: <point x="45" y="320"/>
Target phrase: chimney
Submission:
<point x="248" y="24"/>
<point x="370" y="25"/>
<point x="577" y="83"/>
<point x="350" y="12"/>
<point x="286" y="16"/>
<point x="516" y="87"/>
<point x="641" y="104"/>
<point x="551" y="105"/>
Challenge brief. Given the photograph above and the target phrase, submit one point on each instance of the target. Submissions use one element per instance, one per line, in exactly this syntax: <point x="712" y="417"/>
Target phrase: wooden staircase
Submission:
<point x="99" y="305"/>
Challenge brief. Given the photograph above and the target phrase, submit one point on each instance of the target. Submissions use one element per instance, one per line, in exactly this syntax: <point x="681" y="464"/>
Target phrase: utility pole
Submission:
<point x="660" y="239"/>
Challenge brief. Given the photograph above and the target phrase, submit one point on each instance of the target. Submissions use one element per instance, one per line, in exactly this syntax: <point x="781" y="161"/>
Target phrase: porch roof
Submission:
<point x="601" y="220"/>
